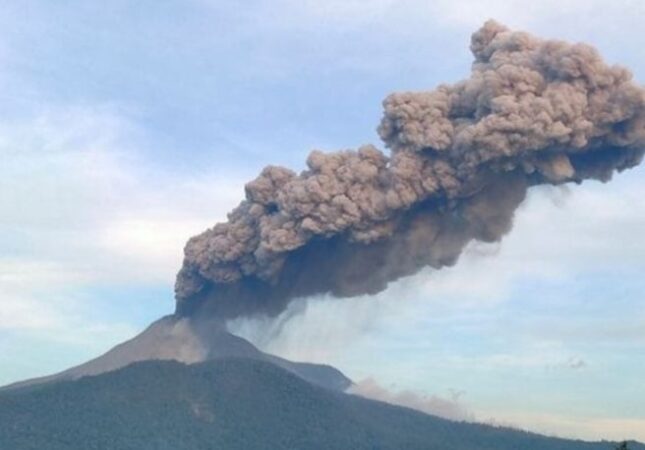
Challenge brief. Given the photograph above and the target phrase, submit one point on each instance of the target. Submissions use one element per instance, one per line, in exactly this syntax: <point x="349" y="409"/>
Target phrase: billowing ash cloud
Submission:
<point x="462" y="158"/>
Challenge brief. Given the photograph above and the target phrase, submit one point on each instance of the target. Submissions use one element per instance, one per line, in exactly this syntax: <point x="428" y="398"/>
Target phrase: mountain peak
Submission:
<point x="190" y="341"/>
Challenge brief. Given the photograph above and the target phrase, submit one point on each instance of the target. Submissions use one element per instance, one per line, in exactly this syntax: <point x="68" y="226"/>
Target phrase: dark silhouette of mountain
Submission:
<point x="190" y="341"/>
<point x="232" y="403"/>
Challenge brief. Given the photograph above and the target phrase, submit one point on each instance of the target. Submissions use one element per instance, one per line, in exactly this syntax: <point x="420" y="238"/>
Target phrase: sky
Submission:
<point x="127" y="127"/>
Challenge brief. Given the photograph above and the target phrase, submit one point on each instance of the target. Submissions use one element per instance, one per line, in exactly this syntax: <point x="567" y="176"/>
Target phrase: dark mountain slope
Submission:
<point x="231" y="404"/>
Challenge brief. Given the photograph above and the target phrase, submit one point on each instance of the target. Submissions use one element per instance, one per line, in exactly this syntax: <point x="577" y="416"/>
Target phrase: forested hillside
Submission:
<point x="232" y="404"/>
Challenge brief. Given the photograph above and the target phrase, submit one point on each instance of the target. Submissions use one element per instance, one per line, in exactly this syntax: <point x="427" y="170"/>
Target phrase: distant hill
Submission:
<point x="231" y="403"/>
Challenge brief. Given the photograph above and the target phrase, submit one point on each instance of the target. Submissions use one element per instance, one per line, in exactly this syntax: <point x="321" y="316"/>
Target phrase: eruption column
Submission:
<point x="462" y="158"/>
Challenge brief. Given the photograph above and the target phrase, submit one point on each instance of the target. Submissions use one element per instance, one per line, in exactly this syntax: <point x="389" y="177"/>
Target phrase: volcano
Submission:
<point x="188" y="341"/>
<point x="461" y="159"/>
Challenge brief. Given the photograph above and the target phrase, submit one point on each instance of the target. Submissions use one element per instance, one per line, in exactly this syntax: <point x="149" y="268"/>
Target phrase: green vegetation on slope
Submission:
<point x="232" y="404"/>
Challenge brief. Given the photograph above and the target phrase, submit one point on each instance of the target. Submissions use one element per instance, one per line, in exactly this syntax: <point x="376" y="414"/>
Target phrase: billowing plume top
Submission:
<point x="462" y="156"/>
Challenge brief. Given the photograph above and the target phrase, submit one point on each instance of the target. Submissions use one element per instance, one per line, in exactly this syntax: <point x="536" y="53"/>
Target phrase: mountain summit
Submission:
<point x="190" y="341"/>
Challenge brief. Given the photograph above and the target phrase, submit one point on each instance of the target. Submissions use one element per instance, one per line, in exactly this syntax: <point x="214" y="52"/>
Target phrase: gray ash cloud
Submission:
<point x="462" y="157"/>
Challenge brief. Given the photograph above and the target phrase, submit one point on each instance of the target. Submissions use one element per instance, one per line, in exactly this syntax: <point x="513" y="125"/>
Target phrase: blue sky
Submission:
<point x="127" y="127"/>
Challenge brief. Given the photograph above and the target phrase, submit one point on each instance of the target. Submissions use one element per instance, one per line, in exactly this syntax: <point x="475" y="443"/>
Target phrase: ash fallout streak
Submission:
<point x="462" y="158"/>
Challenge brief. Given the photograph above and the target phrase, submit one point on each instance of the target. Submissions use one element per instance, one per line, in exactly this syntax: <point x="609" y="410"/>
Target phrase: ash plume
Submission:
<point x="462" y="157"/>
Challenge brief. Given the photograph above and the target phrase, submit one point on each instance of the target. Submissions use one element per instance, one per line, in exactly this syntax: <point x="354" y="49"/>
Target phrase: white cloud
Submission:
<point x="405" y="16"/>
<point x="20" y="282"/>
<point x="79" y="210"/>
<point x="470" y="13"/>
<point x="73" y="191"/>
<point x="535" y="356"/>
<point x="449" y="408"/>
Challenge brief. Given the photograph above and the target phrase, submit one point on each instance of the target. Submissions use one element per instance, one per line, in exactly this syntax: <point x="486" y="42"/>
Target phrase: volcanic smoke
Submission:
<point x="462" y="157"/>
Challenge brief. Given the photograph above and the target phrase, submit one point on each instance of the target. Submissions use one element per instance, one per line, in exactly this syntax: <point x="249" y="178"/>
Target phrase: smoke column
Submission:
<point x="462" y="157"/>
